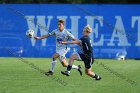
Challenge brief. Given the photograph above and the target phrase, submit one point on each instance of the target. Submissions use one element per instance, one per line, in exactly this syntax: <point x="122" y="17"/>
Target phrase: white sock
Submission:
<point x="53" y="66"/>
<point x="68" y="71"/>
<point x="74" y="67"/>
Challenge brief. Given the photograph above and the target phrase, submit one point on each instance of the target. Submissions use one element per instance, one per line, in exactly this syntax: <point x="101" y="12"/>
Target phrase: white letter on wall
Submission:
<point x="119" y="32"/>
<point x="134" y="20"/>
<point x="90" y="21"/>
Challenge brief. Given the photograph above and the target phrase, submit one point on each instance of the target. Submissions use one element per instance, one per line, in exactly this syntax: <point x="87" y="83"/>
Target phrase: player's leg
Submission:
<point x="65" y="64"/>
<point x="55" y="56"/>
<point x="88" y="68"/>
<point x="70" y="65"/>
<point x="62" y="58"/>
<point x="90" y="73"/>
<point x="53" y="64"/>
<point x="63" y="61"/>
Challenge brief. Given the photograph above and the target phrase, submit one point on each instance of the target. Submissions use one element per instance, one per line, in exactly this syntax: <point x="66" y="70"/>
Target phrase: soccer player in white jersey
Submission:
<point x="61" y="35"/>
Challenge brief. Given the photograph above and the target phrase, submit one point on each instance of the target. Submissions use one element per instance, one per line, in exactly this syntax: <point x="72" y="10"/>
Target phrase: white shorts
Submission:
<point x="62" y="52"/>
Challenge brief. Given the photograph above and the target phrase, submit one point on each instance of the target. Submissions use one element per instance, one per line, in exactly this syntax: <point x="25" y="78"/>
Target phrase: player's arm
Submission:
<point x="71" y="36"/>
<point x="42" y="37"/>
<point x="45" y="36"/>
<point x="74" y="39"/>
<point x="72" y="42"/>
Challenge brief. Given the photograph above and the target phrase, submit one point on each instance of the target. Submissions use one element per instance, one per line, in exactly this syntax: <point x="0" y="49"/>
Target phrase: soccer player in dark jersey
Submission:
<point x="85" y="54"/>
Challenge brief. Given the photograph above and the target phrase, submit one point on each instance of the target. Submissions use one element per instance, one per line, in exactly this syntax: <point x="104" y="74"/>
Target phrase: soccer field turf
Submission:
<point x="17" y="76"/>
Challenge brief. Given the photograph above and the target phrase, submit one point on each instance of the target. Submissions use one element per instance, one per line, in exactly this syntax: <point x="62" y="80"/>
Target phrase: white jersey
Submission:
<point x="61" y="36"/>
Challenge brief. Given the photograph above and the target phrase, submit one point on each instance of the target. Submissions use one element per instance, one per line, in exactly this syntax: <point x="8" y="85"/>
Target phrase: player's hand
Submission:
<point x="36" y="38"/>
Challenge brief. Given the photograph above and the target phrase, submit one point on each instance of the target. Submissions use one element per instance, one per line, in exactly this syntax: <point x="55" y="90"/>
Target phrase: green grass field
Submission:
<point x="118" y="77"/>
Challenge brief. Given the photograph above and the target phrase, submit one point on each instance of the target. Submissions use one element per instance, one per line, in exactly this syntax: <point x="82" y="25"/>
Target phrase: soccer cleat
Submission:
<point x="65" y="73"/>
<point x="79" y="69"/>
<point x="49" y="73"/>
<point x="98" y="78"/>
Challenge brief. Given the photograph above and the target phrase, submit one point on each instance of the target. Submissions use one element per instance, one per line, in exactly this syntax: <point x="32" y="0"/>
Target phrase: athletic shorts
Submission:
<point x="62" y="53"/>
<point x="88" y="60"/>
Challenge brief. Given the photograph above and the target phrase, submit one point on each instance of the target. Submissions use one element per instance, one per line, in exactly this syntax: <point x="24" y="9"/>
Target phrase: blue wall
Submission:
<point x="116" y="28"/>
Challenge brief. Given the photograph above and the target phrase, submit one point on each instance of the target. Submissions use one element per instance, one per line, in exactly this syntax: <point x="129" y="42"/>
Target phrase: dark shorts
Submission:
<point x="88" y="60"/>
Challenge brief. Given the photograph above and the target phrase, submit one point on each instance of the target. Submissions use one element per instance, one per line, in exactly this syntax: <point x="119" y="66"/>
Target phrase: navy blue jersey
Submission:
<point x="86" y="45"/>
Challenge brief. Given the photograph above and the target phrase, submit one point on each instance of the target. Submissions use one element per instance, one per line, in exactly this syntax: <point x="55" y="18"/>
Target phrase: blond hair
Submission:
<point x="88" y="28"/>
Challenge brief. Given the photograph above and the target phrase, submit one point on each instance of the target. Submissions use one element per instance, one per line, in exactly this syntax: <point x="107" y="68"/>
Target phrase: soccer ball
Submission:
<point x="30" y="33"/>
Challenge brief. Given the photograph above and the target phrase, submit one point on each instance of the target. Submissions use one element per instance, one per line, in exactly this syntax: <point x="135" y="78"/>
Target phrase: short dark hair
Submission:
<point x="61" y="21"/>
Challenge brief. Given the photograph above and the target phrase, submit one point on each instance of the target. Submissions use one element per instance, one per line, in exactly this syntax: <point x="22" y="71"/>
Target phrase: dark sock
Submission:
<point x="95" y="76"/>
<point x="69" y="68"/>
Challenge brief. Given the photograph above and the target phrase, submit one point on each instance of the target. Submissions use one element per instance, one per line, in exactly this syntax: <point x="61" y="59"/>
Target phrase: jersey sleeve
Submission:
<point x="52" y="33"/>
<point x="70" y="35"/>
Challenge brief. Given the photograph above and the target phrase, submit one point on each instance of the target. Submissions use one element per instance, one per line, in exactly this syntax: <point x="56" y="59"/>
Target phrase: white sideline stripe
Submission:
<point x="86" y="45"/>
<point x="91" y="62"/>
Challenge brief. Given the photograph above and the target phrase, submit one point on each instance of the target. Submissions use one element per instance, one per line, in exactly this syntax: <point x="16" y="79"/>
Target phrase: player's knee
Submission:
<point x="87" y="72"/>
<point x="64" y="64"/>
<point x="54" y="58"/>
